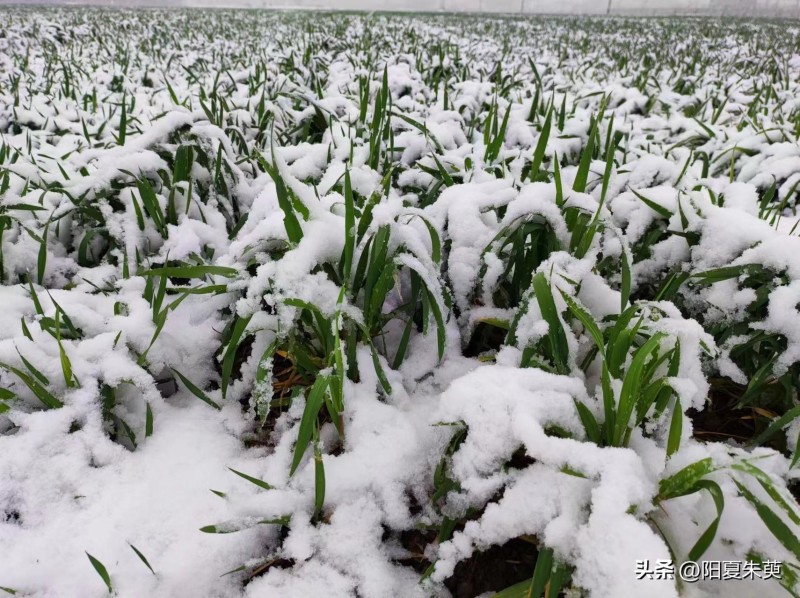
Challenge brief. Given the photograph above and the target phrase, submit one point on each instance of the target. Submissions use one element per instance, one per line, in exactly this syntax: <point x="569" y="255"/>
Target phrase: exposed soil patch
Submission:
<point x="721" y="419"/>
<point x="494" y="569"/>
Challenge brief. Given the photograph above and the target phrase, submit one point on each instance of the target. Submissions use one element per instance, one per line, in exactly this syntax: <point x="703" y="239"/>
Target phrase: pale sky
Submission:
<point x="764" y="8"/>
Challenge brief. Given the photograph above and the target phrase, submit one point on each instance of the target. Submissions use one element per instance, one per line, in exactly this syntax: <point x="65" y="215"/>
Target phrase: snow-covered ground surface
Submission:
<point x="300" y="305"/>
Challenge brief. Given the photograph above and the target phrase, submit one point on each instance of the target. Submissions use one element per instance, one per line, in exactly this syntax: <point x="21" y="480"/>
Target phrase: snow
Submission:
<point x="89" y="476"/>
<point x="77" y="492"/>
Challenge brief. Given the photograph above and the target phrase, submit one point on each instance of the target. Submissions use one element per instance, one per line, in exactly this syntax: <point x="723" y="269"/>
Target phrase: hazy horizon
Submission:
<point x="761" y="8"/>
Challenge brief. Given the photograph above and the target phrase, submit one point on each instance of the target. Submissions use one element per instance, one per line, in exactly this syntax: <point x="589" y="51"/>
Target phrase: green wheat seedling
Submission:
<point x="158" y="167"/>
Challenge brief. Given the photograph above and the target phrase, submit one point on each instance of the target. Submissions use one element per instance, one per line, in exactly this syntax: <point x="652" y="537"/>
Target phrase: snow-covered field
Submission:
<point x="340" y="305"/>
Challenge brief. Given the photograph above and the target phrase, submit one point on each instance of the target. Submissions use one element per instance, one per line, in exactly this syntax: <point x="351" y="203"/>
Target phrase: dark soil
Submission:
<point x="415" y="542"/>
<point x="485" y="338"/>
<point x="720" y="420"/>
<point x="493" y="570"/>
